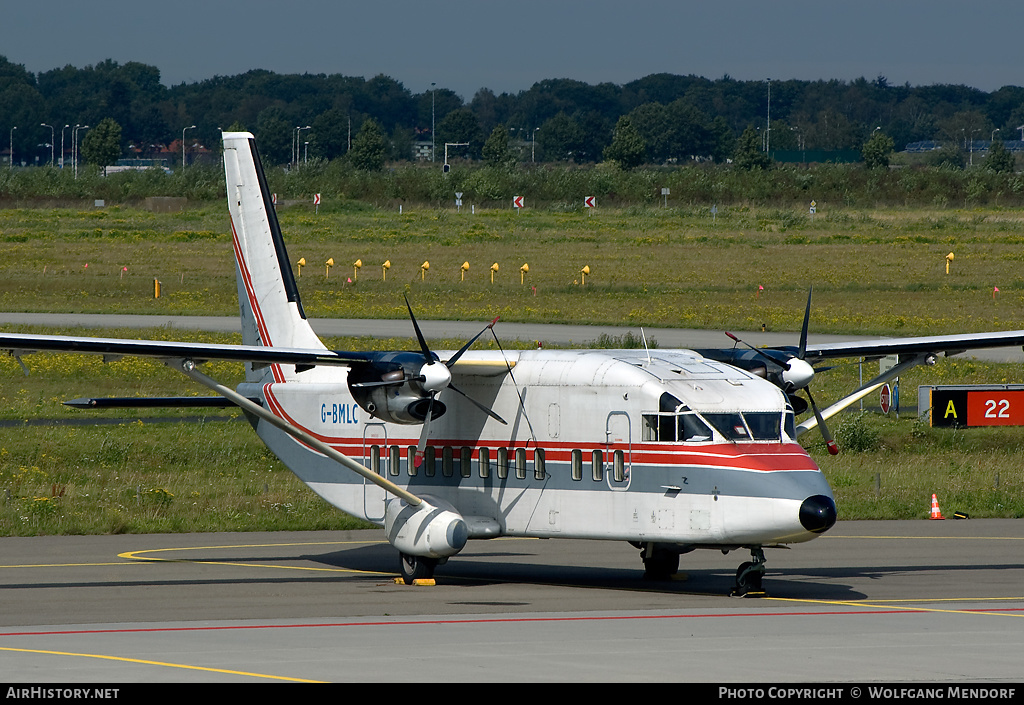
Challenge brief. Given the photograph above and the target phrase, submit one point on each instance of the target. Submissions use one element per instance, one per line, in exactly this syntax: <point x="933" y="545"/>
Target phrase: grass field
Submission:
<point x="873" y="272"/>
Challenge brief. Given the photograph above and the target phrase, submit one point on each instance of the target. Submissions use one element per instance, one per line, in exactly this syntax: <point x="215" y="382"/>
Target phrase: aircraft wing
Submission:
<point x="934" y="345"/>
<point x="19" y="344"/>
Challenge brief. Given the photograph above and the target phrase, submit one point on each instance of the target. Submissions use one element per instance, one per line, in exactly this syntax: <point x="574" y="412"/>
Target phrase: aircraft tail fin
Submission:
<point x="268" y="296"/>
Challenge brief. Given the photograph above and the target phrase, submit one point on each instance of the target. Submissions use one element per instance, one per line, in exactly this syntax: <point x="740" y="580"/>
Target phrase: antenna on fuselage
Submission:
<point x="644" y="337"/>
<point x="522" y="406"/>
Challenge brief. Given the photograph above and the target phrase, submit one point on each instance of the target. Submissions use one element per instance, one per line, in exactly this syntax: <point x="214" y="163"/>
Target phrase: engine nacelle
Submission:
<point x="397" y="386"/>
<point x="397" y="405"/>
<point x="427" y="530"/>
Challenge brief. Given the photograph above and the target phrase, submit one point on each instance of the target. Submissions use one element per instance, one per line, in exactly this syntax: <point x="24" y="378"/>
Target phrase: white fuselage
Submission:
<point x="599" y="444"/>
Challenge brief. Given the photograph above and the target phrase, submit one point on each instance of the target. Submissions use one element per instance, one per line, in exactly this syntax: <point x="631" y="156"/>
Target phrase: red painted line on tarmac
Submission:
<point x="494" y="620"/>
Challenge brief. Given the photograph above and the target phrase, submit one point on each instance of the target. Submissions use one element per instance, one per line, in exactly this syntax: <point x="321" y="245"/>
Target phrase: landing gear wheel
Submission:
<point x="659" y="563"/>
<point x="416" y="568"/>
<point x="749" y="576"/>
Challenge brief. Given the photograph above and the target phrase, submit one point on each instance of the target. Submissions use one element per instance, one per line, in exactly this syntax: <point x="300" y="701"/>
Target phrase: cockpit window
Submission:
<point x="686" y="426"/>
<point x="683" y="426"/>
<point x="764" y="426"/>
<point x="692" y="429"/>
<point x="729" y="425"/>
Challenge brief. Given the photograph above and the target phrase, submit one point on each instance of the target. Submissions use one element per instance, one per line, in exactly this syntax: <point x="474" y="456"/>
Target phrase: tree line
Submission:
<point x="658" y="119"/>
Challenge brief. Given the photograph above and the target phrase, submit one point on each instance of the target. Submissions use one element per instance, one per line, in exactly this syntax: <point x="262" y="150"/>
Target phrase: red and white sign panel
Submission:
<point x="977" y="407"/>
<point x="316" y="199"/>
<point x="998" y="408"/>
<point x="590" y="202"/>
<point x="517" y="201"/>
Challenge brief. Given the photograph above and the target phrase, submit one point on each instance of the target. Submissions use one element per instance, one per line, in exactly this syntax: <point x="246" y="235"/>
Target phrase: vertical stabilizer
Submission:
<point x="267" y="293"/>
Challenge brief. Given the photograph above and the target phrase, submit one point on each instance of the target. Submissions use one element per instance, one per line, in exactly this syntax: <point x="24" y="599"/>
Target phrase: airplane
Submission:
<point x="669" y="450"/>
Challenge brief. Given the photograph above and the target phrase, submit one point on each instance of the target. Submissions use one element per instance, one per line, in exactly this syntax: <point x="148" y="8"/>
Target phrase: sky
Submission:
<point x="466" y="45"/>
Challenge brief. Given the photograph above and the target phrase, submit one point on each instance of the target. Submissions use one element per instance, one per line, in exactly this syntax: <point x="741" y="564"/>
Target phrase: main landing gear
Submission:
<point x="749" y="575"/>
<point x="660" y="563"/>
<point x="416" y="568"/>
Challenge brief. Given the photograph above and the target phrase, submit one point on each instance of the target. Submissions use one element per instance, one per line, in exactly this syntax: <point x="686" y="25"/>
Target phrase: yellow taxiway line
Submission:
<point x="164" y="664"/>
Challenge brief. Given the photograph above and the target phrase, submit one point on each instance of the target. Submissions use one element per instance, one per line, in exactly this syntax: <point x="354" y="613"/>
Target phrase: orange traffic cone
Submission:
<point x="936" y="514"/>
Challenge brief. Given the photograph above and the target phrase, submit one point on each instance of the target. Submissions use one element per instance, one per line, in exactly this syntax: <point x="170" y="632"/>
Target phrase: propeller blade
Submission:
<point x="419" y="334"/>
<point x="454" y="358"/>
<point x="366" y="385"/>
<point x="422" y="443"/>
<point x="803" y="330"/>
<point x="830" y="442"/>
<point x="389" y="379"/>
<point x="784" y="363"/>
<point x="478" y="404"/>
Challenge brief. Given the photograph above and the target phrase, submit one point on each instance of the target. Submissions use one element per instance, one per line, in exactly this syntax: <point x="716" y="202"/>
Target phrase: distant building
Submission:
<point x="979" y="146"/>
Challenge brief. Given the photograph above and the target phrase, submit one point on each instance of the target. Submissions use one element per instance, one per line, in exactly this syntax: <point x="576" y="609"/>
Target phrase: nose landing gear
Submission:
<point x="749" y="576"/>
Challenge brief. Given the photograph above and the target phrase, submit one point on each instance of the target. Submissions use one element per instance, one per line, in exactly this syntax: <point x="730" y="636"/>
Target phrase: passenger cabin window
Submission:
<point x="466" y="461"/>
<point x="619" y="466"/>
<point x="538" y="464"/>
<point x="430" y="461"/>
<point x="597" y="465"/>
<point x="410" y="460"/>
<point x="502" y="463"/>
<point x="521" y="463"/>
<point x="395" y="460"/>
<point x="484" y="459"/>
<point x="447" y="462"/>
<point x="577" y="464"/>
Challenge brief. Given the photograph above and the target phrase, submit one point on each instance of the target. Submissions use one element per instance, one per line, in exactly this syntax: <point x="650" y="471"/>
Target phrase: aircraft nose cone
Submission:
<point x="818" y="513"/>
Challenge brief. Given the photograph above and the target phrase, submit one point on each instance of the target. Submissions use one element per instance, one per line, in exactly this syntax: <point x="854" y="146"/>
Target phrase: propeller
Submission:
<point x="436" y="376"/>
<point x="797" y="374"/>
<point x="432" y="377"/>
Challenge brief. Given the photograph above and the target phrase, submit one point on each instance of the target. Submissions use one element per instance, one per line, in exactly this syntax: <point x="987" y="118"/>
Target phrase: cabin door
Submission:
<point x="618" y="450"/>
<point x="375" y="457"/>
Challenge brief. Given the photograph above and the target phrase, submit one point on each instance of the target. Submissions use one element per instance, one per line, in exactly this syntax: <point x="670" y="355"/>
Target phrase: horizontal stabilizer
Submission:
<point x="149" y="402"/>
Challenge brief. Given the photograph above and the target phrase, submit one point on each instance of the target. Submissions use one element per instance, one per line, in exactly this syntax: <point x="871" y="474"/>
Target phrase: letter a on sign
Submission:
<point x="950" y="409"/>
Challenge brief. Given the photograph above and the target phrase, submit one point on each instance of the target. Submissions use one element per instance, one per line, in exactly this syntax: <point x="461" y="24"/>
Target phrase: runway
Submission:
<point x="916" y="601"/>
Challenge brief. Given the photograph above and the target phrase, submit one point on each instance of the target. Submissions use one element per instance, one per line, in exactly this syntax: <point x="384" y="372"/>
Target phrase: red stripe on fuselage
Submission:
<point x="767" y="457"/>
<point x="253" y="302"/>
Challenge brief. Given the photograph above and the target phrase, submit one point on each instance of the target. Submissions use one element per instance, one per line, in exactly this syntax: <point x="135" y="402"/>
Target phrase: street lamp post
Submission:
<point x="51" y="140"/>
<point x="74" y="146"/>
<point x="533" y="146"/>
<point x="191" y="127"/>
<point x="298" y="139"/>
<point x="61" y="162"/>
<point x="768" y="129"/>
<point x="433" y="95"/>
<point x="297" y="143"/>
<point x="12" y="146"/>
